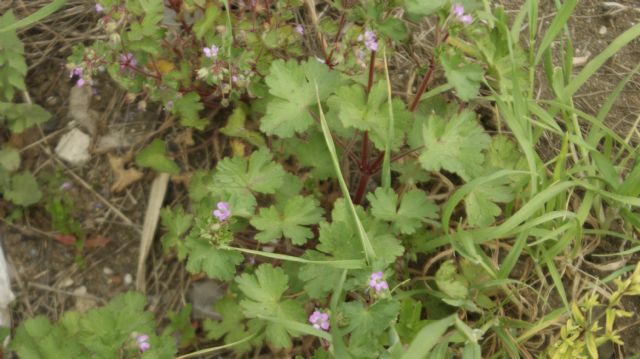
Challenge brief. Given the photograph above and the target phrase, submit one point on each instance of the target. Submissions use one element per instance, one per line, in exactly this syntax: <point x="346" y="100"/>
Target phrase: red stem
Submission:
<point x="423" y="86"/>
<point x="335" y="41"/>
<point x="364" y="157"/>
<point x="372" y="63"/>
<point x="362" y="186"/>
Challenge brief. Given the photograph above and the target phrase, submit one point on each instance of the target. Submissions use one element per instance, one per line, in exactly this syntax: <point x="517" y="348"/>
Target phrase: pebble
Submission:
<point x="66" y="283"/>
<point x="107" y="271"/>
<point x="603" y="30"/>
<point x="128" y="279"/>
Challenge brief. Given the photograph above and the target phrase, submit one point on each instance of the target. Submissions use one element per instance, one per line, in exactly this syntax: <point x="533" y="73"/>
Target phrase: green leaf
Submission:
<point x="311" y="152"/>
<point x="293" y="88"/>
<point x="288" y="220"/>
<point x="188" y="107"/>
<point x="319" y="280"/>
<point x="480" y="203"/>
<point x="33" y="18"/>
<point x="410" y="172"/>
<point x="455" y="145"/>
<point x="180" y="325"/>
<point x="215" y="262"/>
<point x="366" y="324"/>
<point x="424" y="7"/>
<point x="236" y="127"/>
<point x="9" y="158"/>
<point x="22" y="116"/>
<point x="450" y="282"/>
<point x="177" y="223"/>
<point x="24" y="190"/>
<point x="232" y="326"/>
<point x="154" y="157"/>
<point x="427" y="338"/>
<point x="414" y="208"/>
<point x="259" y="174"/>
<point x="370" y="113"/>
<point x="394" y="29"/>
<point x="264" y="290"/>
<point x="13" y="71"/>
<point x="464" y="77"/>
<point x="206" y="23"/>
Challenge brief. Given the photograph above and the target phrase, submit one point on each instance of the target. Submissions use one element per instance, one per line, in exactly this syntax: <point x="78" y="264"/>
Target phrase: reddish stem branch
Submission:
<point x="423" y="86"/>
<point x="328" y="59"/>
<point x="364" y="157"/>
<point x="372" y="64"/>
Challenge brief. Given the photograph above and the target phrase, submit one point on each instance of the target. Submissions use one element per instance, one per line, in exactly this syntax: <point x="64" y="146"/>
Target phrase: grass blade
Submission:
<point x="36" y="16"/>
<point x="597" y="62"/>
<point x="369" y="253"/>
<point x="428" y="337"/>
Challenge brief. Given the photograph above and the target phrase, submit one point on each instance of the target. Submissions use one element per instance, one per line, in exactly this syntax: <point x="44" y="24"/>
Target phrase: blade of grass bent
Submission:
<point x="558" y="23"/>
<point x="386" y="164"/>
<point x="369" y="253"/>
<point x="36" y="16"/>
<point x="597" y="62"/>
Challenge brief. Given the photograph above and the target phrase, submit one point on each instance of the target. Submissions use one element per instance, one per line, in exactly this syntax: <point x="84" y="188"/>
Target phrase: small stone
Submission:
<point x="74" y="147"/>
<point x="107" y="271"/>
<point x="66" y="283"/>
<point x="83" y="303"/>
<point x="603" y="30"/>
<point x="128" y="279"/>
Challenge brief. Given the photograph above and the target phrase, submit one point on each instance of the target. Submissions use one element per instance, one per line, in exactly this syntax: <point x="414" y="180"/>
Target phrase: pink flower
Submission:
<point x="99" y="8"/>
<point x="377" y="283"/>
<point x="319" y="320"/>
<point x="76" y="71"/>
<point x="369" y="39"/>
<point x="458" y="11"/>
<point x="143" y="343"/>
<point x="300" y="29"/>
<point x="127" y="61"/>
<point x="222" y="213"/>
<point x="80" y="82"/>
<point x="211" y="52"/>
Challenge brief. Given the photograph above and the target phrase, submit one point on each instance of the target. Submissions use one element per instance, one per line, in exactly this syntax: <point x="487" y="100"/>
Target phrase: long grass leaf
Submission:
<point x="369" y="253"/>
<point x="558" y="23"/>
<point x="593" y="65"/>
<point x="428" y="337"/>
<point x="36" y="16"/>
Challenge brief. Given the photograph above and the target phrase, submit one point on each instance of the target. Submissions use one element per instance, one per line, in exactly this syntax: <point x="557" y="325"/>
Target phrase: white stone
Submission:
<point x="603" y="30"/>
<point x="128" y="279"/>
<point x="107" y="271"/>
<point x="74" y="147"/>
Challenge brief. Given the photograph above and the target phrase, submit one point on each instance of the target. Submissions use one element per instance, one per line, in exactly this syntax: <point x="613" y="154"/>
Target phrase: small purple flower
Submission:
<point x="76" y="71"/>
<point x="319" y="320"/>
<point x="211" y="52"/>
<point x="300" y="29"/>
<point x="99" y="8"/>
<point x="377" y="283"/>
<point x="127" y="61"/>
<point x="222" y="213"/>
<point x="369" y="39"/>
<point x="143" y="343"/>
<point x="169" y="105"/>
<point x="80" y="82"/>
<point x="458" y="11"/>
<point x="234" y="78"/>
<point x="66" y="185"/>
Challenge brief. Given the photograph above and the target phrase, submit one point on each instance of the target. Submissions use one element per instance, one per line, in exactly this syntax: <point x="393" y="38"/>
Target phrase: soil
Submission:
<point x="47" y="275"/>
